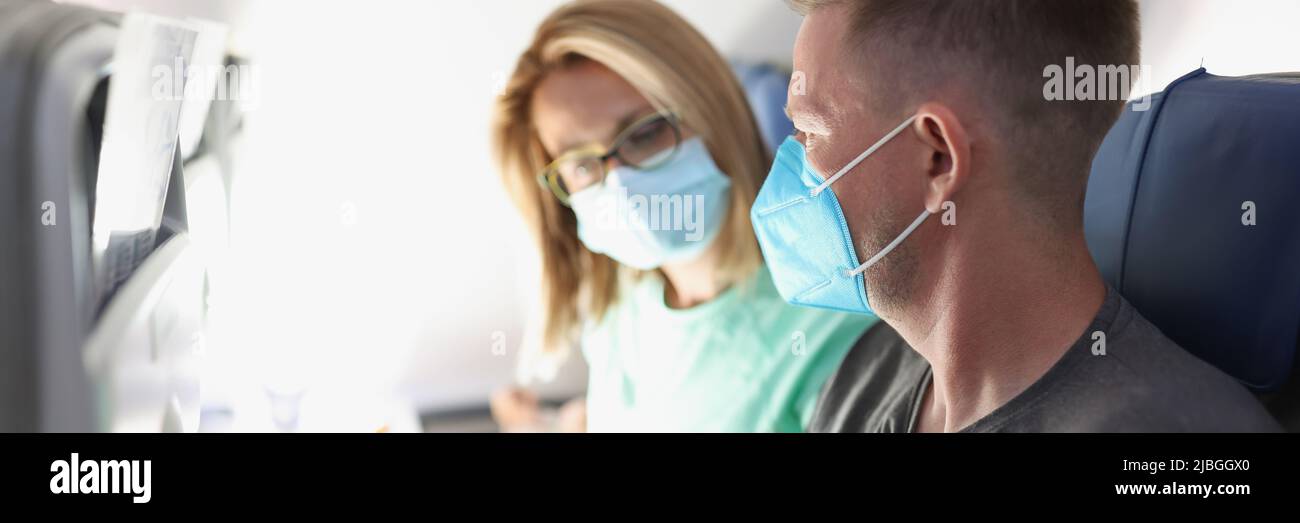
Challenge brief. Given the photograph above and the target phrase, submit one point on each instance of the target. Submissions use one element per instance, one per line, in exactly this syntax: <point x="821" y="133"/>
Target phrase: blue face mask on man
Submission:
<point x="805" y="237"/>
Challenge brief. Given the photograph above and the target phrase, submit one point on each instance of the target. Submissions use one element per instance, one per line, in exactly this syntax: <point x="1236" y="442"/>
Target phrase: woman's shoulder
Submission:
<point x="810" y="334"/>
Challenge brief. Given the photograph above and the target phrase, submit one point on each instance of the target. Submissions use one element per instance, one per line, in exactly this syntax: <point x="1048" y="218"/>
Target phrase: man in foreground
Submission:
<point x="998" y="319"/>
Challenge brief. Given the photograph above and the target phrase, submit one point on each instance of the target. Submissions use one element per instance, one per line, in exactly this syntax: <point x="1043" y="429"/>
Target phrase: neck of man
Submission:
<point x="1003" y="310"/>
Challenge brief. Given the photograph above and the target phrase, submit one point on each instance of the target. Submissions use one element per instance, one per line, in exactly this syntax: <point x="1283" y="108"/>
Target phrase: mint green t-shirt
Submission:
<point x="744" y="362"/>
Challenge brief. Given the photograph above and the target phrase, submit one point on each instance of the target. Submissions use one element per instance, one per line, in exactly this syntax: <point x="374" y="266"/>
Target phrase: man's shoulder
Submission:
<point x="873" y="387"/>
<point x="1157" y="385"/>
<point x="881" y="349"/>
<point x="1142" y="382"/>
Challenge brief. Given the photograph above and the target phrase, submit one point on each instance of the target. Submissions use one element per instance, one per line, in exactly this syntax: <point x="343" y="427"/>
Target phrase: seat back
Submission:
<point x="1193" y="213"/>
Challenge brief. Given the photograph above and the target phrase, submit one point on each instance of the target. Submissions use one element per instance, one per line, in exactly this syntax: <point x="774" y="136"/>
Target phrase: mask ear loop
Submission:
<point x="818" y="190"/>
<point x="906" y="232"/>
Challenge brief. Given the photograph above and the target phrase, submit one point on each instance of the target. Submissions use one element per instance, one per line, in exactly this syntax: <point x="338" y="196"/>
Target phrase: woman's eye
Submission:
<point x="648" y="134"/>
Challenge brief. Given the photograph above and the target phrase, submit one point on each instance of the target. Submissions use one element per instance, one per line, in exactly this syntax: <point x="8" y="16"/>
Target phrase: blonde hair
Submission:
<point x="674" y="67"/>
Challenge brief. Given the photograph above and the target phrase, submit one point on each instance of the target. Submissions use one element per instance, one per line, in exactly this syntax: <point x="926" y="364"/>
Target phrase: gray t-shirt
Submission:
<point x="1143" y="383"/>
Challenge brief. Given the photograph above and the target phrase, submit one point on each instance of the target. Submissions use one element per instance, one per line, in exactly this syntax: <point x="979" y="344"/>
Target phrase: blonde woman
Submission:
<point x="631" y="151"/>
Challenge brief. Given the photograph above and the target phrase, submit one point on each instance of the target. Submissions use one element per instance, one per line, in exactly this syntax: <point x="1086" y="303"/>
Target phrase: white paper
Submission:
<point x="140" y="134"/>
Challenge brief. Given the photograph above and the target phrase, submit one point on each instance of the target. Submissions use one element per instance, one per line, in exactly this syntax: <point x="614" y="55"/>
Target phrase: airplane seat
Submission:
<point x="1192" y="214"/>
<point x="766" y="87"/>
<point x="92" y="337"/>
<point x="51" y="62"/>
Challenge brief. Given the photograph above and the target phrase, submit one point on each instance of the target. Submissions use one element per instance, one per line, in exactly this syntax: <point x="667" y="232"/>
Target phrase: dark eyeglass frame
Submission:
<point x="550" y="175"/>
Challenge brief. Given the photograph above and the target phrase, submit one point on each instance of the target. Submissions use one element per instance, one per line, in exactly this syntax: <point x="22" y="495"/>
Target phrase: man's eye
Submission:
<point x="810" y="140"/>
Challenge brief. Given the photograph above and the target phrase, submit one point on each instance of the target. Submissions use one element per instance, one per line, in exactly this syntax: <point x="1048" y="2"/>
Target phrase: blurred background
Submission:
<point x="377" y="271"/>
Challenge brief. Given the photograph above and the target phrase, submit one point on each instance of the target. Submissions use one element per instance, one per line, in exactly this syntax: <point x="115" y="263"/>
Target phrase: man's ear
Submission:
<point x="949" y="162"/>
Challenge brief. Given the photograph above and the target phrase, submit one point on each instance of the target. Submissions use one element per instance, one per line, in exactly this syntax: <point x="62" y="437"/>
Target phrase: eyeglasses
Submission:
<point x="646" y="144"/>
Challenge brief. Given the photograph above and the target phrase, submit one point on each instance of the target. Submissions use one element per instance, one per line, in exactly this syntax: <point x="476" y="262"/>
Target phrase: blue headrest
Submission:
<point x="766" y="88"/>
<point x="1171" y="191"/>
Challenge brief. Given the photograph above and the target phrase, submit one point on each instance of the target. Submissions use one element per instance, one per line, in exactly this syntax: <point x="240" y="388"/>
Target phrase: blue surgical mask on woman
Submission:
<point x="805" y="237"/>
<point x="647" y="218"/>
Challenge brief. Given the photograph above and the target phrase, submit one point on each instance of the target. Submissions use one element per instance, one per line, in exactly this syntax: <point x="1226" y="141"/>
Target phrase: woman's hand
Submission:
<point x="519" y="410"/>
<point x="572" y="416"/>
